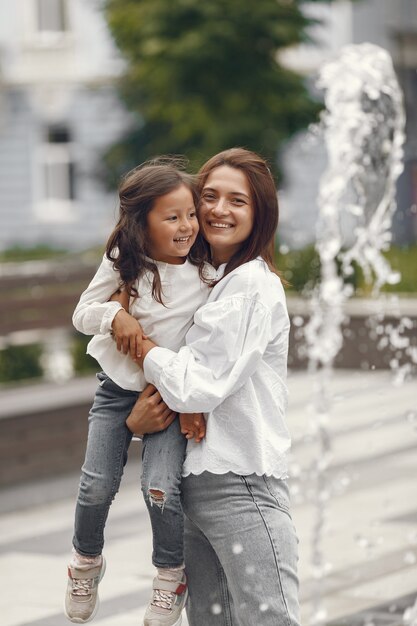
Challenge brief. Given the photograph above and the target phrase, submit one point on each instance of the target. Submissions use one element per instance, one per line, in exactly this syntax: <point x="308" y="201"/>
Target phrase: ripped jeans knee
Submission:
<point x="156" y="497"/>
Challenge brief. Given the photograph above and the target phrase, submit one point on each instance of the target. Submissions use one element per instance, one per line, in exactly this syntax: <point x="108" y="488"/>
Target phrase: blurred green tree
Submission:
<point x="203" y="76"/>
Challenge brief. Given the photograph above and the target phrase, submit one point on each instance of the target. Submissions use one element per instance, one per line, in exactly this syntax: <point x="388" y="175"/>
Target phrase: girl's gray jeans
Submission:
<point x="106" y="455"/>
<point x="240" y="551"/>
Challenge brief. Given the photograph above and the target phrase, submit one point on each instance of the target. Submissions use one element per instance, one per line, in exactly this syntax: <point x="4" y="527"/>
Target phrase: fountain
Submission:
<point x="363" y="131"/>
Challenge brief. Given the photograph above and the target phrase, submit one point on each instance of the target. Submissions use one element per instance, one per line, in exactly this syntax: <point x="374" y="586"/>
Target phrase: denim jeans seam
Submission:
<point x="283" y="507"/>
<point x="224" y="590"/>
<point x="274" y="547"/>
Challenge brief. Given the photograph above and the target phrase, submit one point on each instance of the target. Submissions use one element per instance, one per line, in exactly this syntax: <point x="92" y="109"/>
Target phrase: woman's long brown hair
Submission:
<point x="265" y="205"/>
<point x="138" y="191"/>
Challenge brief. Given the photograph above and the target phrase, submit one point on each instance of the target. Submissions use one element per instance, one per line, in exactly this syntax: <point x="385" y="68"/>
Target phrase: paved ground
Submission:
<point x="370" y="538"/>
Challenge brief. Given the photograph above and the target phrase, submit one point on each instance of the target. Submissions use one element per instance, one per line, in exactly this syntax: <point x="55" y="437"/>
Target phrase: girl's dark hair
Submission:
<point x="138" y="191"/>
<point x="265" y="204"/>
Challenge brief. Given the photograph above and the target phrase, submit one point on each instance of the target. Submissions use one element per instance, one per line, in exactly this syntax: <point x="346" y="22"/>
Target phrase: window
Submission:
<point x="56" y="179"/>
<point x="58" y="167"/>
<point x="51" y="16"/>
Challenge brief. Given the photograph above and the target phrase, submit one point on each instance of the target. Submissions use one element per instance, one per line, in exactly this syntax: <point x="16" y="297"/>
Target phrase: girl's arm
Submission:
<point x="126" y="329"/>
<point x="94" y="313"/>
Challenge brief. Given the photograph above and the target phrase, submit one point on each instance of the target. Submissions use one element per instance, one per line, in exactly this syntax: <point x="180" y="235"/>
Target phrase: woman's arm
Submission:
<point x="224" y="348"/>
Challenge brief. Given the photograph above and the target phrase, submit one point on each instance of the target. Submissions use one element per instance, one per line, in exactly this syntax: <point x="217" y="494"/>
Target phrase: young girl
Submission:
<point x="146" y="255"/>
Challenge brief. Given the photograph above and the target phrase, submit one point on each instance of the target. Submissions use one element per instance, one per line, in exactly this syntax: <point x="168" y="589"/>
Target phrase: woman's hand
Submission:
<point x="150" y="414"/>
<point x="193" y="425"/>
<point x="126" y="329"/>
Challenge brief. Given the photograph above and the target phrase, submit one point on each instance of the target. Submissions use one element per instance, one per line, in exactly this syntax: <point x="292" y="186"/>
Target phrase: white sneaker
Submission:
<point x="81" y="598"/>
<point x="167" y="602"/>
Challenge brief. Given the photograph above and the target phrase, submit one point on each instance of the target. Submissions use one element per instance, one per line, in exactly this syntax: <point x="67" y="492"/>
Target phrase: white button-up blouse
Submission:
<point x="233" y="367"/>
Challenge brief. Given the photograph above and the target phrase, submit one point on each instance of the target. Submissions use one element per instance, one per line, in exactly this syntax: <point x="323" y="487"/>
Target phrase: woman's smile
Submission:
<point x="219" y="225"/>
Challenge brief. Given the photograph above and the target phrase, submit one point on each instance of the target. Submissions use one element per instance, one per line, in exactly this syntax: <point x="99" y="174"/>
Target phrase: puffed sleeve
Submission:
<point x="94" y="314"/>
<point x="224" y="347"/>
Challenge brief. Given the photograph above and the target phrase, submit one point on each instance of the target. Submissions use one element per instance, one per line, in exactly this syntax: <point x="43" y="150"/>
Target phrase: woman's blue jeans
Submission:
<point x="106" y="455"/>
<point x="241" y="551"/>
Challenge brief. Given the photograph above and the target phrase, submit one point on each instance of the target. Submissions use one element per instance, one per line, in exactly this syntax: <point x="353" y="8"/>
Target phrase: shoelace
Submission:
<point x="82" y="587"/>
<point x="163" y="599"/>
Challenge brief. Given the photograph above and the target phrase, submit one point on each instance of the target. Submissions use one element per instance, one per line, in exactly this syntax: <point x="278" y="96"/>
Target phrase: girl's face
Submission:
<point x="172" y="226"/>
<point x="226" y="212"/>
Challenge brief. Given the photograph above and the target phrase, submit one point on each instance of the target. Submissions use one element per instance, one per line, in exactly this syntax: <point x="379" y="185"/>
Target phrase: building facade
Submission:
<point x="58" y="113"/>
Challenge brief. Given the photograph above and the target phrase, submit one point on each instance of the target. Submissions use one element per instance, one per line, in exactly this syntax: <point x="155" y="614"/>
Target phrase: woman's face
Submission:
<point x="226" y="212"/>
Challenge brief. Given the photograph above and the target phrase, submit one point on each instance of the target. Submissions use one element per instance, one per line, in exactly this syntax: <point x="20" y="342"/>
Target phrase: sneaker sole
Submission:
<point x="77" y="620"/>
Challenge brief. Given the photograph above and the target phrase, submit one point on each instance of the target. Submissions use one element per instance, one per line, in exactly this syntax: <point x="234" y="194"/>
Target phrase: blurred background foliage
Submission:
<point x="20" y="253"/>
<point x="301" y="268"/>
<point x="82" y="362"/>
<point x="20" y="363"/>
<point x="24" y="363"/>
<point x="205" y="76"/>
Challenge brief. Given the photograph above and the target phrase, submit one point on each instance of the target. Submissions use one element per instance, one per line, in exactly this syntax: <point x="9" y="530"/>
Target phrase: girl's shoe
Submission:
<point x="81" y="599"/>
<point x="167" y="602"/>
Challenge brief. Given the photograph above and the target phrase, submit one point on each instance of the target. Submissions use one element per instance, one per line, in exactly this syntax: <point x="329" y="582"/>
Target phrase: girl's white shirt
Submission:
<point x="233" y="367"/>
<point x="182" y="293"/>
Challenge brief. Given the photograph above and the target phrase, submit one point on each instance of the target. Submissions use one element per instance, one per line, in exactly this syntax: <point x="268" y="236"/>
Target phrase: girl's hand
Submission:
<point x="193" y="425"/>
<point x="150" y="414"/>
<point x="127" y="331"/>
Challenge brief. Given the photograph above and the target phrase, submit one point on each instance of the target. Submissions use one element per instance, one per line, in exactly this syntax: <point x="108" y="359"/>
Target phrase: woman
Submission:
<point x="240" y="543"/>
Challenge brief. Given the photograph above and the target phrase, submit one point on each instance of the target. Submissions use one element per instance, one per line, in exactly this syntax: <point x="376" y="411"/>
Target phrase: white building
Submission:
<point x="58" y="112"/>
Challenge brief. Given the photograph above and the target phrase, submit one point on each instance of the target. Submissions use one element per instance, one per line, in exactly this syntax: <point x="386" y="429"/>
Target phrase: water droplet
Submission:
<point x="411" y="417"/>
<point x="297" y="320"/>
<point x="216" y="609"/>
<point x="410" y="558"/>
<point x="237" y="548"/>
<point x="412" y="537"/>
<point x="362" y="541"/>
<point x="319" y="616"/>
<point x="263" y="607"/>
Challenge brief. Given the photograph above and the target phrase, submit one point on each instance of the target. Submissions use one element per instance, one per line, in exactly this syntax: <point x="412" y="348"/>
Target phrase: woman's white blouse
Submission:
<point x="182" y="293"/>
<point x="233" y="368"/>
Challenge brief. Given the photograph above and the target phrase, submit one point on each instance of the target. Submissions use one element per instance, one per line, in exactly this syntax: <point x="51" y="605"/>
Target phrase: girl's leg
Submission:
<point x="247" y="522"/>
<point x="106" y="454"/>
<point x="162" y="460"/>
